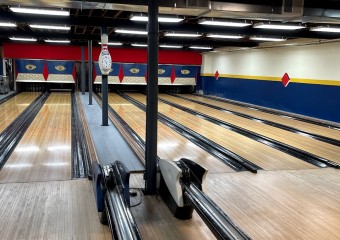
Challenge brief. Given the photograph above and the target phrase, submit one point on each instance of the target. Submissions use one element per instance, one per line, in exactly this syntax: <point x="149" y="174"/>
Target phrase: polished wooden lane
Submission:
<point x="295" y="204"/>
<point x="11" y="109"/>
<point x="50" y="210"/>
<point x="310" y="145"/>
<point x="156" y="222"/>
<point x="260" y="154"/>
<point x="307" y="127"/>
<point x="171" y="145"/>
<point x="44" y="152"/>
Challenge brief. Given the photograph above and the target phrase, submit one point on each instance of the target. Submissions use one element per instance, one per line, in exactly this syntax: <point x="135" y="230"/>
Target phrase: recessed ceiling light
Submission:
<point x="23" y="39"/>
<point x="139" y="45"/>
<point x="40" y="11"/>
<point x="325" y="29"/>
<point x="170" y="46"/>
<point x="7" y="24"/>
<point x="278" y="26"/>
<point x="160" y="19"/>
<point x="201" y="47"/>
<point x="191" y="35"/>
<point x="267" y="39"/>
<point x="137" y="32"/>
<point x="50" y="27"/>
<point x="57" y="41"/>
<point x="211" y="35"/>
<point x="224" y="23"/>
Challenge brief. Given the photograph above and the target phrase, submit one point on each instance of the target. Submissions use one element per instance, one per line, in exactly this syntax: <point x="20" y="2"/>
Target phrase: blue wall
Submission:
<point x="319" y="101"/>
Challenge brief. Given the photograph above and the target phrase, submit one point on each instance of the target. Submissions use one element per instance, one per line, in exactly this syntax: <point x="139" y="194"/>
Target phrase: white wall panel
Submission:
<point x="319" y="62"/>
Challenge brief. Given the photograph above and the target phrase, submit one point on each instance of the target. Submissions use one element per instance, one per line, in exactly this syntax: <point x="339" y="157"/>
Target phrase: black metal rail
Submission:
<point x="226" y="156"/>
<point x="120" y="219"/>
<point x="8" y="97"/>
<point x="220" y="224"/>
<point x="224" y="227"/>
<point x="298" y="153"/>
<point x="274" y="112"/>
<point x="81" y="162"/>
<point x="11" y="136"/>
<point x="270" y="123"/>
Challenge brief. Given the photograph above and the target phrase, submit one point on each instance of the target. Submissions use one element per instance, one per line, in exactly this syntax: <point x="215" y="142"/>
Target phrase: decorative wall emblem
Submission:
<point x="30" y="67"/>
<point x="60" y="68"/>
<point x="161" y="71"/>
<point x="185" y="72"/>
<point x="134" y="70"/>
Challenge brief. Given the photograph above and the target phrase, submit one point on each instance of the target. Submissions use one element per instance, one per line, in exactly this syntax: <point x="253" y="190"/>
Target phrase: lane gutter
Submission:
<point x="12" y="135"/>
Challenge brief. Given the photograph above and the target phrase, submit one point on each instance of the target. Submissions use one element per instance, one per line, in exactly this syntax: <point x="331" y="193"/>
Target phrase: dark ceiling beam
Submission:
<point x="90" y="13"/>
<point x="118" y="14"/>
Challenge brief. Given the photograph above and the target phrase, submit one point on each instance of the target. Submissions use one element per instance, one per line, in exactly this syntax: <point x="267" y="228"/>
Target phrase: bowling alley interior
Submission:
<point x="169" y="119"/>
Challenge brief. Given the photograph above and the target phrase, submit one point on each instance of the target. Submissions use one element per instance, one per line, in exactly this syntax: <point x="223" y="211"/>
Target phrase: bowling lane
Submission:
<point x="310" y="145"/>
<point x="11" y="109"/>
<point x="44" y="152"/>
<point x="307" y="127"/>
<point x="171" y="145"/>
<point x="264" y="156"/>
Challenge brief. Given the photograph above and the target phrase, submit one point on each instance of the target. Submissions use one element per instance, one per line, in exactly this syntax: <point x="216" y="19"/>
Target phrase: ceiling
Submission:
<point x="88" y="17"/>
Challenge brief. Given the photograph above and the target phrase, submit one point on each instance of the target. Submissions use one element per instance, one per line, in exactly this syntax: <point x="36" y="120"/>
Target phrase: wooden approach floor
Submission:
<point x="33" y="205"/>
<point x="295" y="204"/>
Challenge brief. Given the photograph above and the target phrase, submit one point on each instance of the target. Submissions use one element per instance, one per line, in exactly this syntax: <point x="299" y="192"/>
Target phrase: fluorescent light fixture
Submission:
<point x="201" y="47"/>
<point x="224" y="23"/>
<point x="160" y="19"/>
<point x="170" y="46"/>
<point x="40" y="11"/>
<point x="113" y="43"/>
<point x="23" y="39"/>
<point x="137" y="32"/>
<point x="7" y="24"/>
<point x="57" y="41"/>
<point x="139" y="45"/>
<point x="267" y="39"/>
<point x="211" y="35"/>
<point x="278" y="26"/>
<point x="190" y="35"/>
<point x="53" y="27"/>
<point x="325" y="29"/>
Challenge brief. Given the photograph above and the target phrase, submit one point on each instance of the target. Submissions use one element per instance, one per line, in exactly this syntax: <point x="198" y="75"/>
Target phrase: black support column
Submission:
<point x="152" y="99"/>
<point x="105" y="111"/>
<point x="90" y="72"/>
<point x="82" y="70"/>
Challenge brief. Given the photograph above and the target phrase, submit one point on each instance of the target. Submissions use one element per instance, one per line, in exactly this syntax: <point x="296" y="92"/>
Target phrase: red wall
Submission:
<point x="129" y="55"/>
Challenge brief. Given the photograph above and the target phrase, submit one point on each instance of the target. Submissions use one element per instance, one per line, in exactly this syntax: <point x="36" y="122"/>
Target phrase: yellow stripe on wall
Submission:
<point x="276" y="79"/>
